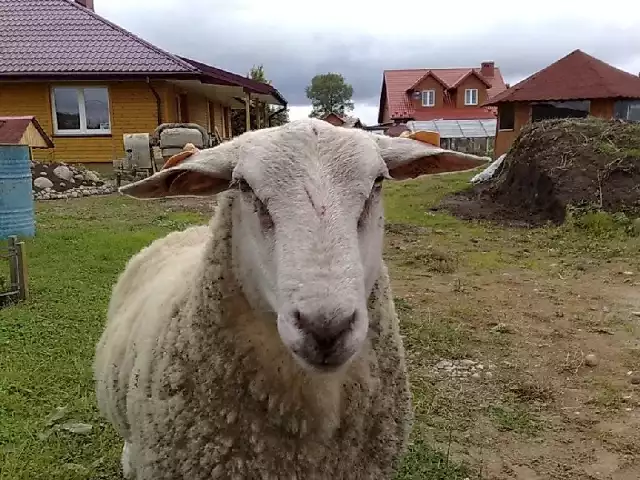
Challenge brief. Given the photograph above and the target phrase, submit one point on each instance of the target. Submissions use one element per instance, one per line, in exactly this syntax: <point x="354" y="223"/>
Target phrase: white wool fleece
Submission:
<point x="201" y="389"/>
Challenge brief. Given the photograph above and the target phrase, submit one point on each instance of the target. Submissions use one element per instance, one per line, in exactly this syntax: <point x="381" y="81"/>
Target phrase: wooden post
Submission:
<point x="23" y="276"/>
<point x="13" y="264"/>
<point x="247" y="109"/>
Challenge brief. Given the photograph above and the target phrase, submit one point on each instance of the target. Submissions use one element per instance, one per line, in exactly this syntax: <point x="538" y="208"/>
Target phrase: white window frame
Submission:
<point x="83" y="130"/>
<point x="471" y="96"/>
<point x="429" y="93"/>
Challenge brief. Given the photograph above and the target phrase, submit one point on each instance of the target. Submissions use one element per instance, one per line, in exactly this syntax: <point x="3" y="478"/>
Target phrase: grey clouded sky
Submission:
<point x="360" y="38"/>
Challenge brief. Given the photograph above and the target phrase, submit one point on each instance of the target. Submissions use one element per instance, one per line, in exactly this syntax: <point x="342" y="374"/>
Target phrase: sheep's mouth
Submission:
<point x="324" y="362"/>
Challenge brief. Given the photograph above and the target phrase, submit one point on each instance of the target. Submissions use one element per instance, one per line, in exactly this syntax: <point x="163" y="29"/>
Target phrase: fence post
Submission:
<point x="23" y="275"/>
<point x="13" y="263"/>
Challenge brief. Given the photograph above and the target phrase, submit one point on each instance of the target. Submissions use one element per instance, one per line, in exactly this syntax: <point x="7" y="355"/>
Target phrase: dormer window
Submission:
<point x="471" y="96"/>
<point x="428" y="98"/>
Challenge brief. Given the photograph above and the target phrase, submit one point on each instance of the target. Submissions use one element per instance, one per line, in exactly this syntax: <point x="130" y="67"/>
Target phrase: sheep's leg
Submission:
<point x="125" y="460"/>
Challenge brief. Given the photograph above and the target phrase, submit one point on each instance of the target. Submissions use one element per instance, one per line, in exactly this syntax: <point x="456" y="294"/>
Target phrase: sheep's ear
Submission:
<point x="193" y="173"/>
<point x="407" y="158"/>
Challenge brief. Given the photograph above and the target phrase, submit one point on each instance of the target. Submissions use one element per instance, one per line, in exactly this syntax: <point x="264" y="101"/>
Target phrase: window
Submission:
<point x="568" y="109"/>
<point x="81" y="111"/>
<point x="428" y="98"/>
<point x="627" y="110"/>
<point x="182" y="108"/>
<point x="506" y="116"/>
<point x="471" y="96"/>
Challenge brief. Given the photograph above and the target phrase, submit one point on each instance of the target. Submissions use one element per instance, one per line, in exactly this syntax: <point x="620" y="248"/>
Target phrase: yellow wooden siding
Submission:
<point x="133" y="109"/>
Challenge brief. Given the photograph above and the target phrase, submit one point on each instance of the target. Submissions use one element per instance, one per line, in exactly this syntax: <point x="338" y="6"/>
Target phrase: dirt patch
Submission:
<point x="500" y="360"/>
<point x="556" y="164"/>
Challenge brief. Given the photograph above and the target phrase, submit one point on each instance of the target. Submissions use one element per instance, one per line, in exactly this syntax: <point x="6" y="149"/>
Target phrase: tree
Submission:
<point x="329" y="92"/>
<point x="238" y="117"/>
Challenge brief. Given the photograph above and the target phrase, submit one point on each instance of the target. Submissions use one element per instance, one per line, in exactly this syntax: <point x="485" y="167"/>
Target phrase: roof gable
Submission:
<point x="431" y="74"/>
<point x="61" y="37"/>
<point x="472" y="73"/>
<point x="576" y="76"/>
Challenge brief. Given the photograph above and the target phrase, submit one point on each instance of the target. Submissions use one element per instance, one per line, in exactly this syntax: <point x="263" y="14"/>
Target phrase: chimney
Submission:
<point x="86" y="3"/>
<point x="487" y="69"/>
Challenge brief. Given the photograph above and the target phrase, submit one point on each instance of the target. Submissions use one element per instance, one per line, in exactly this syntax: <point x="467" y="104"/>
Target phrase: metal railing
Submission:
<point x="18" y="277"/>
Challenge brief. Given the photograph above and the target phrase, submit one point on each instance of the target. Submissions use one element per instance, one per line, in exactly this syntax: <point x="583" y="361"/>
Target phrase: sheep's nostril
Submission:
<point x="326" y="332"/>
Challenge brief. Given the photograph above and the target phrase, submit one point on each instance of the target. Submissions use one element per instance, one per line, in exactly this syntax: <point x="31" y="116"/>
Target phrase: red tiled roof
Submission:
<point x="577" y="76"/>
<point x="397" y="82"/>
<point x="60" y="36"/>
<point x="12" y="130"/>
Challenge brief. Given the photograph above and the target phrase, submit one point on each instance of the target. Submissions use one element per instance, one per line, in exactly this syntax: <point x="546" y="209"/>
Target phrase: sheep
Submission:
<point x="265" y="345"/>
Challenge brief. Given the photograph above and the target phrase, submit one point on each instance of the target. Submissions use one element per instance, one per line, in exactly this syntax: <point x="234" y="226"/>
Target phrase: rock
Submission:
<point x="63" y="172"/>
<point x="502" y="328"/>
<point x="635" y="314"/>
<point x="43" y="174"/>
<point x="635" y="379"/>
<point x="42" y="183"/>
<point x="488" y="375"/>
<point x="475" y="376"/>
<point x="91" y="176"/>
<point x="78" y="177"/>
<point x="591" y="360"/>
<point x="467" y="363"/>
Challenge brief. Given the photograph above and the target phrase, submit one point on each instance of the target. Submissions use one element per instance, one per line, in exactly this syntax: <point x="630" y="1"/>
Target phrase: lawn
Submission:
<point x="514" y="311"/>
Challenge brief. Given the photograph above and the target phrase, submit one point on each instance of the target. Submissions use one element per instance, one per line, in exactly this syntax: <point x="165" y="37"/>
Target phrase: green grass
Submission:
<point x="46" y="345"/>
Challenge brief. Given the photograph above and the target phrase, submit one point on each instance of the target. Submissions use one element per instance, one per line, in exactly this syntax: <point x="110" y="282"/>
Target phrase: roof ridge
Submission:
<point x="133" y="36"/>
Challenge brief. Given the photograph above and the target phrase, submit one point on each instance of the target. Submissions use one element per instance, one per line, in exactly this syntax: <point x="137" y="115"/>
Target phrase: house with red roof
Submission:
<point x="439" y="93"/>
<point x="88" y="81"/>
<point x="577" y="85"/>
<point x="342" y="120"/>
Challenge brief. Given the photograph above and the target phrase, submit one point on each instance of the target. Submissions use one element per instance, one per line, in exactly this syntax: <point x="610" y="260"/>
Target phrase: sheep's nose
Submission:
<point x="325" y="330"/>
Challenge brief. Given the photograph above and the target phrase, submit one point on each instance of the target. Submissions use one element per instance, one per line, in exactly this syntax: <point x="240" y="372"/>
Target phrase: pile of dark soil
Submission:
<point x="556" y="164"/>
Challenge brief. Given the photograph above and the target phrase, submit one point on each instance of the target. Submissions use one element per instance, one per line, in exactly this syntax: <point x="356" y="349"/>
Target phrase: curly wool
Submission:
<point x="201" y="387"/>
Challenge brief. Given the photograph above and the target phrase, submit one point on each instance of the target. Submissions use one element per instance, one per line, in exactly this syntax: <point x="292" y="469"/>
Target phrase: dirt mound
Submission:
<point x="582" y="163"/>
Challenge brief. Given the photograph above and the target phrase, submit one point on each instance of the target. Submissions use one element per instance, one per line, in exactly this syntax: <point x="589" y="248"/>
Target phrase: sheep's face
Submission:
<point x="307" y="223"/>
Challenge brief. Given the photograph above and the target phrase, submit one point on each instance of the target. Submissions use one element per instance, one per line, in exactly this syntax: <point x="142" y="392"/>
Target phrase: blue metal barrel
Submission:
<point x="16" y="197"/>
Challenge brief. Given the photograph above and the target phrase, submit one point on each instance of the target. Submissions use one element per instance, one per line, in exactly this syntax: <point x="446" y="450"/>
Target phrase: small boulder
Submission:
<point x="63" y="172"/>
<point x="91" y="176"/>
<point x="42" y="183"/>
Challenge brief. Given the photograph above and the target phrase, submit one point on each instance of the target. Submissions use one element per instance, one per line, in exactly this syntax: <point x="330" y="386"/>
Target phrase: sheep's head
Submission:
<point x="307" y="222"/>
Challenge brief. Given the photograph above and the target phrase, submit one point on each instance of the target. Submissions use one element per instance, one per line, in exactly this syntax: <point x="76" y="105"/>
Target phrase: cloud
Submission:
<point x="361" y="38"/>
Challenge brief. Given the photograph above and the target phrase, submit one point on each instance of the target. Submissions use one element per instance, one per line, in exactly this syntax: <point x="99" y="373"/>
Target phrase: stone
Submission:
<point x="488" y="375"/>
<point x="63" y="172"/>
<point x="42" y="183"/>
<point x="475" y="376"/>
<point x="78" y="177"/>
<point x="591" y="360"/>
<point x="635" y="379"/>
<point x="91" y="176"/>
